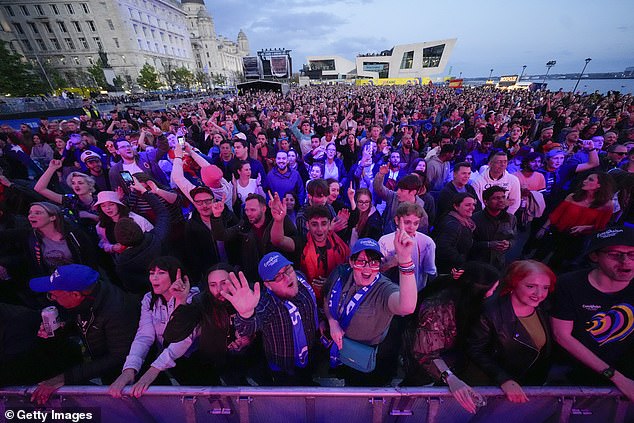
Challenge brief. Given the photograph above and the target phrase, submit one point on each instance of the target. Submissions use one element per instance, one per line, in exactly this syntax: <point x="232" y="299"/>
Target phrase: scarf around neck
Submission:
<point x="467" y="222"/>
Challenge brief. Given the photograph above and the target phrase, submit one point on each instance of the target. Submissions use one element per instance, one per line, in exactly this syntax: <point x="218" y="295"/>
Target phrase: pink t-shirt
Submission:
<point x="535" y="182"/>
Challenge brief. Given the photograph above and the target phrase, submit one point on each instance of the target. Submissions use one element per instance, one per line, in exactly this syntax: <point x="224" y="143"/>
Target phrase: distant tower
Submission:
<point x="243" y="42"/>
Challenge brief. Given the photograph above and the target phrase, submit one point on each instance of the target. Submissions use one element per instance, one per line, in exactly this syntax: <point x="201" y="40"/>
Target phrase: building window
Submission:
<point x="84" y="42"/>
<point x="136" y="28"/>
<point x="40" y="44"/>
<point x="33" y="27"/>
<point x="77" y="26"/>
<point x="432" y="56"/>
<point x="140" y="44"/>
<point x="381" y="67"/>
<point x="84" y="7"/>
<point x="48" y="28"/>
<point x="27" y="45"/>
<point x="76" y="60"/>
<point x="62" y="26"/>
<point x="90" y="60"/>
<point x="97" y="41"/>
<point x="91" y="25"/>
<point x="18" y="28"/>
<point x="55" y="43"/>
<point x="116" y="42"/>
<point x="123" y="59"/>
<point x="39" y="9"/>
<point x="408" y="60"/>
<point x="70" y="9"/>
<point x="55" y="9"/>
<point x="110" y="24"/>
<point x="25" y="10"/>
<point x="324" y="65"/>
<point x="69" y="43"/>
<point x="9" y="10"/>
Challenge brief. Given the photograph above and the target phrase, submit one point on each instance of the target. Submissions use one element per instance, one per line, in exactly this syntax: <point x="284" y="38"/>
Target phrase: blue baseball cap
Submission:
<point x="365" y="244"/>
<point x="71" y="277"/>
<point x="271" y="264"/>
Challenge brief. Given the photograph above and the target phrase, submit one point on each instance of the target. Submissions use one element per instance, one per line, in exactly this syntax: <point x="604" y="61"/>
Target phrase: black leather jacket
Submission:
<point x="502" y="348"/>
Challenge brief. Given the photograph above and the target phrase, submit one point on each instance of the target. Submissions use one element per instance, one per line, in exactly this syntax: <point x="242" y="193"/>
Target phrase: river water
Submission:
<point x="625" y="86"/>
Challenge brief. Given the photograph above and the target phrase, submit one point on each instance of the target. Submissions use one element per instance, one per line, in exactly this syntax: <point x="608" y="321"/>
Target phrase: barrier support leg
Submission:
<point x="566" y="409"/>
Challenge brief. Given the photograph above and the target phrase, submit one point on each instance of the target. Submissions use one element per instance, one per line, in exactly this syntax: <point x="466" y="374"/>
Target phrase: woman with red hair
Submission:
<point x="512" y="341"/>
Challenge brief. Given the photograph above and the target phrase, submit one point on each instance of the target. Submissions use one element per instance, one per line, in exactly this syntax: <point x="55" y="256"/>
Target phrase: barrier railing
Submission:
<point x="307" y="404"/>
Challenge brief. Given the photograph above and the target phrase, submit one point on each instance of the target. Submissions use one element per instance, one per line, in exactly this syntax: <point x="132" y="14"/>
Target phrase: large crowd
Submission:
<point x="417" y="234"/>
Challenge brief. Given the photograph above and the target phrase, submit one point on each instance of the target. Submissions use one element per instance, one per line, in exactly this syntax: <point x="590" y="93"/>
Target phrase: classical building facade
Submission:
<point x="72" y="35"/>
<point x="213" y="54"/>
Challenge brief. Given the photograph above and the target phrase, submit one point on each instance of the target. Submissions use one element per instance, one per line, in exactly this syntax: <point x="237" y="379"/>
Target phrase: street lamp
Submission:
<point x="522" y="74"/>
<point x="490" y="73"/>
<point x="582" y="71"/>
<point x="549" y="65"/>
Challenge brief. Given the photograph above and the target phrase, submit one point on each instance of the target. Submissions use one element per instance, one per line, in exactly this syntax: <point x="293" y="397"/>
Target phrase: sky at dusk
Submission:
<point x="491" y="34"/>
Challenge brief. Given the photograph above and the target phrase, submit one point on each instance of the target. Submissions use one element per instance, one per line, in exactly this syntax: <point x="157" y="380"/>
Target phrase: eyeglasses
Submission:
<point x="374" y="264"/>
<point x="618" y="255"/>
<point x="280" y="276"/>
<point x="207" y="202"/>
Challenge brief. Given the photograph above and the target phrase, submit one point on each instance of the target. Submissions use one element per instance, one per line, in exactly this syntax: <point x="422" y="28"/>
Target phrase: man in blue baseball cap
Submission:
<point x="286" y="314"/>
<point x="105" y="317"/>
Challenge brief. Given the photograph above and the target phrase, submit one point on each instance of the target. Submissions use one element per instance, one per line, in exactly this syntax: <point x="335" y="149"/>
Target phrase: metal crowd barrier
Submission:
<point x="312" y="405"/>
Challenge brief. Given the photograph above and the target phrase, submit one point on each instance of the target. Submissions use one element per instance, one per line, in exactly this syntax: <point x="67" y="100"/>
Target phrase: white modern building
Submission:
<point x="72" y="35"/>
<point x="417" y="60"/>
<point x="330" y="67"/>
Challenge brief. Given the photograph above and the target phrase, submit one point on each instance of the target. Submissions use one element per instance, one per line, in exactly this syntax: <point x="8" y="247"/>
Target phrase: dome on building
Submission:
<point x="241" y="34"/>
<point x="194" y="1"/>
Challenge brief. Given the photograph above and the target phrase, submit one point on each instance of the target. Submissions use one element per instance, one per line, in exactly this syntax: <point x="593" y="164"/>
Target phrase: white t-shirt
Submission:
<point x="132" y="168"/>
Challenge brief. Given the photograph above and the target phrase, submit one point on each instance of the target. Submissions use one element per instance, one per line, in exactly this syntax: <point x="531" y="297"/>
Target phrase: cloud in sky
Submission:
<point x="494" y="34"/>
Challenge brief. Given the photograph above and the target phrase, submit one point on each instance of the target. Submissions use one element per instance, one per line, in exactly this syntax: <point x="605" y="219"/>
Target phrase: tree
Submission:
<point x="96" y="71"/>
<point x="183" y="77"/>
<point x="168" y="74"/>
<point x="149" y="78"/>
<point x="57" y="78"/>
<point x="17" y="76"/>
<point x="118" y="82"/>
<point x="201" y="79"/>
<point x="218" y="79"/>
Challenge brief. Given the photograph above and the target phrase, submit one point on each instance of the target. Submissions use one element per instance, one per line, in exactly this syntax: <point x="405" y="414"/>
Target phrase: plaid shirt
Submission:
<point x="272" y="319"/>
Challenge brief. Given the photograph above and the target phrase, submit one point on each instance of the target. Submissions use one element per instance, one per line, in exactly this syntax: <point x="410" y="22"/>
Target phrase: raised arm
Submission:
<point x="377" y="184"/>
<point x="278" y="211"/>
<point x="403" y="302"/>
<point x="41" y="187"/>
<point x="178" y="177"/>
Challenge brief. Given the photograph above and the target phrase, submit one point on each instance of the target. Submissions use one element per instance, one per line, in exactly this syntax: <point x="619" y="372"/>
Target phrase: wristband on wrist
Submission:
<point x="445" y="375"/>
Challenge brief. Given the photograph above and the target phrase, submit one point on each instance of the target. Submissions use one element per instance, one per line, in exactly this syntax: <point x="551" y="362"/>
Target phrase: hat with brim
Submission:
<point x="271" y="264"/>
<point x="70" y="277"/>
<point x="366" y="244"/>
<point x="89" y="155"/>
<point x="105" y="196"/>
<point x="612" y="237"/>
